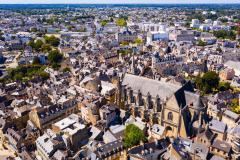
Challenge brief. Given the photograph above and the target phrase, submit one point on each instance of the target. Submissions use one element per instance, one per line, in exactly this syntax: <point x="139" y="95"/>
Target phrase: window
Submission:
<point x="170" y="116"/>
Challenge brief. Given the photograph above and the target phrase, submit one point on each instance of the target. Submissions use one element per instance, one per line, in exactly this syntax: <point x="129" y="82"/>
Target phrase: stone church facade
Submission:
<point x="177" y="108"/>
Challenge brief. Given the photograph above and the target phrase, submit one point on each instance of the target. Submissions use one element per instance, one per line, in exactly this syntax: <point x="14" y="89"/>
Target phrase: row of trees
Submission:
<point x="119" y="22"/>
<point x="223" y="34"/>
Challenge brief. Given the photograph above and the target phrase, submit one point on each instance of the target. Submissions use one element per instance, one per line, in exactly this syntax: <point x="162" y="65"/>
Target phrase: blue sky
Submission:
<point x="117" y="1"/>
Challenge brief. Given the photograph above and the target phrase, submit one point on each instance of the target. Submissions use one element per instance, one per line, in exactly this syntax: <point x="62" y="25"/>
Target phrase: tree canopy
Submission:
<point x="121" y="22"/>
<point x="133" y="136"/>
<point x="27" y="72"/>
<point x="208" y="82"/>
<point x="201" y="43"/>
<point x="52" y="40"/>
<point x="138" y="41"/>
<point x="104" y="22"/>
<point x="36" y="45"/>
<point x="55" y="56"/>
<point x="234" y="106"/>
<point x="222" y="34"/>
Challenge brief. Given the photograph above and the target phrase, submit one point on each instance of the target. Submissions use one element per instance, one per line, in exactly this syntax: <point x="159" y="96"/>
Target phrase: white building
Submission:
<point x="195" y="23"/>
<point x="153" y="27"/>
<point x="157" y="36"/>
<point x="216" y="23"/>
<point x="208" y="21"/>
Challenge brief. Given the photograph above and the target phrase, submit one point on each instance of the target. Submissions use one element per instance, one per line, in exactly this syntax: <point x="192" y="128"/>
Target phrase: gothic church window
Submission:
<point x="170" y="116"/>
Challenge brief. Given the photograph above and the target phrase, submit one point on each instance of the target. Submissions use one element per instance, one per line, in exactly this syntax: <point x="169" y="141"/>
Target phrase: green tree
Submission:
<point x="208" y="82"/>
<point x="223" y="86"/>
<point x="104" y="22"/>
<point x="234" y="106"/>
<point x="38" y="45"/>
<point x="138" y="41"/>
<point x="55" y="57"/>
<point x="46" y="48"/>
<point x="44" y="75"/>
<point x="33" y="29"/>
<point x="133" y="136"/>
<point x="52" y="40"/>
<point x="124" y="43"/>
<point x="222" y="34"/>
<point x="26" y="72"/>
<point x="224" y="20"/>
<point x="31" y="44"/>
<point x="66" y="69"/>
<point x="201" y="43"/>
<point x="121" y="22"/>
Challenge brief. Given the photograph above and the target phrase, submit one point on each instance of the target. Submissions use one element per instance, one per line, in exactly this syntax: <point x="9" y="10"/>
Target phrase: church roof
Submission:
<point x="154" y="87"/>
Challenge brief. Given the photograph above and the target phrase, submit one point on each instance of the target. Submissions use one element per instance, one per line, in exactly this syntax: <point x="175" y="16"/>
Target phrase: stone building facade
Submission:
<point x="177" y="108"/>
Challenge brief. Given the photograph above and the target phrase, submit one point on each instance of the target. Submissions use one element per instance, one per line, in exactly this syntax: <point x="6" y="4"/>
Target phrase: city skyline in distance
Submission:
<point x="119" y="2"/>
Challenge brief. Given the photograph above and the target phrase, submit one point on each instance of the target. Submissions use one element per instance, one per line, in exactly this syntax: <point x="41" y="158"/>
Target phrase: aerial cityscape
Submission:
<point x="119" y="81"/>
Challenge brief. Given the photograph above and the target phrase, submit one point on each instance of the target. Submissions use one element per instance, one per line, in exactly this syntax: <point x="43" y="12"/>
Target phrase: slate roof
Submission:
<point x="218" y="126"/>
<point x="159" y="145"/>
<point x="146" y="85"/>
<point x="110" y="148"/>
<point x="221" y="145"/>
<point x="231" y="115"/>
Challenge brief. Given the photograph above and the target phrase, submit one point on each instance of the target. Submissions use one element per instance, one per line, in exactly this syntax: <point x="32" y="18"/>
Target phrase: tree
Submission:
<point x="66" y="69"/>
<point x="26" y="72"/>
<point x="223" y="86"/>
<point x="121" y="22"/>
<point x="33" y="29"/>
<point x="38" y="44"/>
<point x="224" y="20"/>
<point x="138" y="41"/>
<point x="44" y="75"/>
<point x="201" y="43"/>
<point x="222" y="34"/>
<point x="235" y="106"/>
<point x="31" y="43"/>
<point x="124" y="43"/>
<point x="55" y="57"/>
<point x="133" y="136"/>
<point x="208" y="82"/>
<point x="46" y="48"/>
<point x="104" y="22"/>
<point x="52" y="40"/>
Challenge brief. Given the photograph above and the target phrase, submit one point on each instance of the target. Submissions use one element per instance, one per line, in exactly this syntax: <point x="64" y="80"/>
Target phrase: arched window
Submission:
<point x="170" y="116"/>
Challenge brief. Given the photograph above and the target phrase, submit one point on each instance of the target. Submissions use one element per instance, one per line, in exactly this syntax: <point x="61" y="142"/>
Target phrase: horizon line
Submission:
<point x="112" y="3"/>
